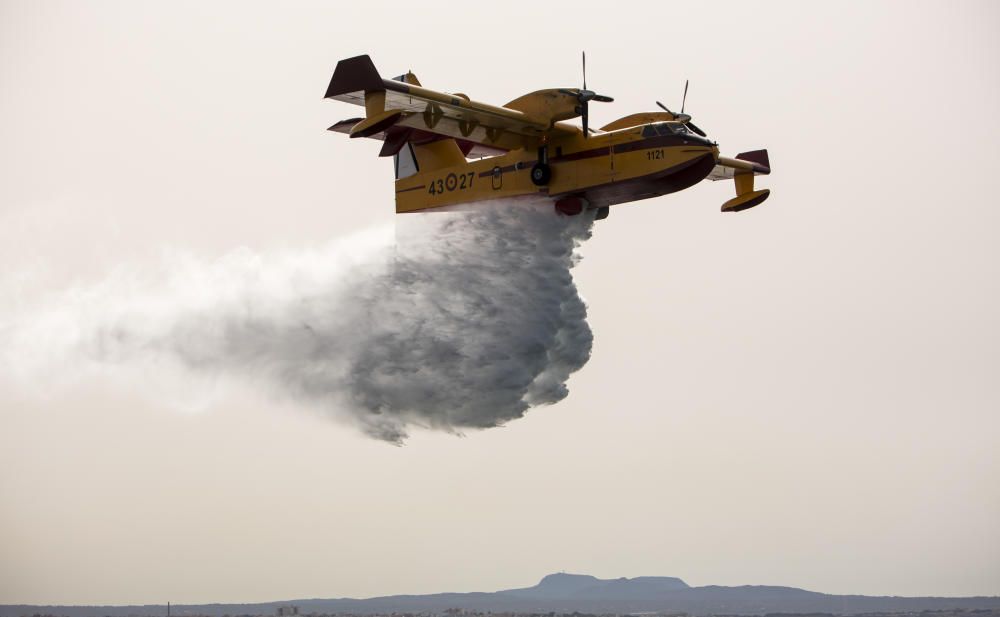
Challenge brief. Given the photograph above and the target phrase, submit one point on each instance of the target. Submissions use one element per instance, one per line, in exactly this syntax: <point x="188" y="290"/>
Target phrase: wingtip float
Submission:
<point x="449" y="149"/>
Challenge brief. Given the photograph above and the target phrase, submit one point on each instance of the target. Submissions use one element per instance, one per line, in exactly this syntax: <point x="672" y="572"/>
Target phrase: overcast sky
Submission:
<point x="802" y="394"/>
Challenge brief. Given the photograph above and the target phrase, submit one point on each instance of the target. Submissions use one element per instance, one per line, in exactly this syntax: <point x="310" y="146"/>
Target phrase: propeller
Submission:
<point x="682" y="117"/>
<point x="584" y="96"/>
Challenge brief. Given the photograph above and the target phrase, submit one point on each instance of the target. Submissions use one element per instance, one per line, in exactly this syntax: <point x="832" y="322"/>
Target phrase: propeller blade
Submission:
<point x="586" y="132"/>
<point x="584" y="71"/>
<point x="684" y="100"/>
<point x="683" y="117"/>
<point x="694" y="128"/>
<point x="678" y="117"/>
<point x="600" y="98"/>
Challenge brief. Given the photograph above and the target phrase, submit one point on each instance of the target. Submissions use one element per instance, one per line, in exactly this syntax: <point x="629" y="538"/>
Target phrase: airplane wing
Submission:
<point x="754" y="162"/>
<point x="742" y="170"/>
<point x="395" y="137"/>
<point x="398" y="104"/>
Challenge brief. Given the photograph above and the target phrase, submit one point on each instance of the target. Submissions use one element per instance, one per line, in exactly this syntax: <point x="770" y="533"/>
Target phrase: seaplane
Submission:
<point x="448" y="149"/>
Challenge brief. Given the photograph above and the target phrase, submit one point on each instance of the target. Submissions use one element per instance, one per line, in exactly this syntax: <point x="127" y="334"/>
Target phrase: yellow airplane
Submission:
<point x="449" y="149"/>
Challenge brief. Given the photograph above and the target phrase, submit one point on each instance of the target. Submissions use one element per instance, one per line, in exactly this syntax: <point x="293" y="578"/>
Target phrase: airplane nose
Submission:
<point x="701" y="141"/>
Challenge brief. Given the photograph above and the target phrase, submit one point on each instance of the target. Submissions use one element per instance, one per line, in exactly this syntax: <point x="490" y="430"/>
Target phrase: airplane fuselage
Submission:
<point x="531" y="149"/>
<point x="607" y="168"/>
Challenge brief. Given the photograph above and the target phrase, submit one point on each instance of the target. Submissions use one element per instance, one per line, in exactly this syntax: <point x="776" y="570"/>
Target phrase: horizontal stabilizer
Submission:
<point x="376" y="124"/>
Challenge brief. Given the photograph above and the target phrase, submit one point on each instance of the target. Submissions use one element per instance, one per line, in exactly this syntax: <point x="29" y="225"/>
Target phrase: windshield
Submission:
<point x="667" y="128"/>
<point x="664" y="129"/>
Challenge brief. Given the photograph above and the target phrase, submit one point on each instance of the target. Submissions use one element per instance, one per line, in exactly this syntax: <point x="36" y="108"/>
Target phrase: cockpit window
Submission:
<point x="673" y="127"/>
<point x="664" y="129"/>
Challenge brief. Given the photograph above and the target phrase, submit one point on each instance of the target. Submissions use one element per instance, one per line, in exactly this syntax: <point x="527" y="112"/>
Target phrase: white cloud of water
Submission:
<point x="466" y="320"/>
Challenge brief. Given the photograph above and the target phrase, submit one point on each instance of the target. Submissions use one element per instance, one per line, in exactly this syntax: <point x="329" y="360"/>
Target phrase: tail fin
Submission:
<point x="404" y="162"/>
<point x="410" y="158"/>
<point x="356" y="80"/>
<point x="352" y="76"/>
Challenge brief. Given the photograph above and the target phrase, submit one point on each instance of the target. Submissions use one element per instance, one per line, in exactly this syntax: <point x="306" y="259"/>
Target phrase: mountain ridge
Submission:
<point x="561" y="593"/>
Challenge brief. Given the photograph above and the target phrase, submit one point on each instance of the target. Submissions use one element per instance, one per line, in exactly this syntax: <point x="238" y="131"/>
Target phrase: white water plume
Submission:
<point x="466" y="321"/>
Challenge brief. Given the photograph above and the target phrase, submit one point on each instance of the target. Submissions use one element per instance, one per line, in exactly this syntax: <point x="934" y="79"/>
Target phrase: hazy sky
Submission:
<point x="803" y="394"/>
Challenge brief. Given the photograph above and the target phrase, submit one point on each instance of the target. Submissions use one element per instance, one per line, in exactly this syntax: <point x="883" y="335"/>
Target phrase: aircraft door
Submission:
<point x="612" y="140"/>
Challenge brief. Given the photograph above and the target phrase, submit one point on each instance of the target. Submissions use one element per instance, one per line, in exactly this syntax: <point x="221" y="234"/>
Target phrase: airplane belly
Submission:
<point x="681" y="175"/>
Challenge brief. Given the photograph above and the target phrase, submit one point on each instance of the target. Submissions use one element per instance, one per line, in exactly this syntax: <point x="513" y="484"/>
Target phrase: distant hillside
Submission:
<point x="562" y="586"/>
<point x="564" y="593"/>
